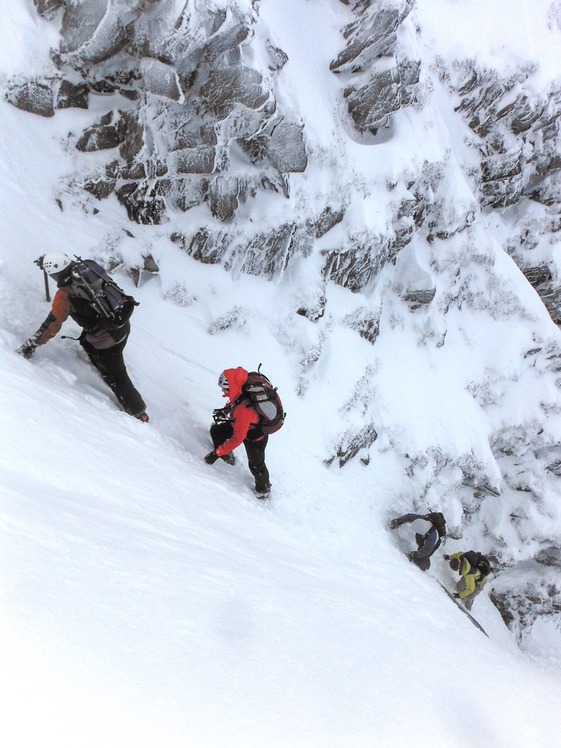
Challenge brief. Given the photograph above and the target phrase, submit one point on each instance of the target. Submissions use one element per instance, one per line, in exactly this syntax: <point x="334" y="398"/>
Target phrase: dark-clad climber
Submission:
<point x="430" y="530"/>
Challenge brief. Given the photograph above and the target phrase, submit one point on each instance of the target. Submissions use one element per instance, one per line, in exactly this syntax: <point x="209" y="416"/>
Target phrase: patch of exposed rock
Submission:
<point x="382" y="79"/>
<point x="193" y="102"/>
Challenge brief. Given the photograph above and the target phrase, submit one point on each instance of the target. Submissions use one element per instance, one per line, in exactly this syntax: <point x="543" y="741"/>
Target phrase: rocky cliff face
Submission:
<point x="191" y="118"/>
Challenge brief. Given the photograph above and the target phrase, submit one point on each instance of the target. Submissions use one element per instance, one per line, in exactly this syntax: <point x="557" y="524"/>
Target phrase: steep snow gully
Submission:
<point x="148" y="600"/>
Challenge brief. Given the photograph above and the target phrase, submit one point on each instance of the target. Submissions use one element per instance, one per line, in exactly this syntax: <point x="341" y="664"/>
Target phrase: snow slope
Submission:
<point x="150" y="600"/>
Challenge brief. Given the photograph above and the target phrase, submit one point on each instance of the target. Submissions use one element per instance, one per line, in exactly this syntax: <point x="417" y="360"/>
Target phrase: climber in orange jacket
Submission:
<point x="102" y="342"/>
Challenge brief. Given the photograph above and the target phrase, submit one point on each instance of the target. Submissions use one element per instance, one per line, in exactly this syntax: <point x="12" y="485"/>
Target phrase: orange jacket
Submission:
<point x="59" y="313"/>
<point x="244" y="416"/>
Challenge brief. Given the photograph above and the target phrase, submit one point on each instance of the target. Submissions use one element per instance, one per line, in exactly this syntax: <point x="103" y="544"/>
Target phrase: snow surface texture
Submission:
<point x="148" y="599"/>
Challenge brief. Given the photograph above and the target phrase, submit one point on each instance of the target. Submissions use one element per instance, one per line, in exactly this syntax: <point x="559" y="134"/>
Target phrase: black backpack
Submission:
<point x="111" y="304"/>
<point x="437" y="519"/>
<point x="479" y="561"/>
<point x="265" y="400"/>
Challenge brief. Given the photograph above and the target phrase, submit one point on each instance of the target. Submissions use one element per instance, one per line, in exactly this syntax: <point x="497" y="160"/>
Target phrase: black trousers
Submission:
<point x="111" y="365"/>
<point x="254" y="449"/>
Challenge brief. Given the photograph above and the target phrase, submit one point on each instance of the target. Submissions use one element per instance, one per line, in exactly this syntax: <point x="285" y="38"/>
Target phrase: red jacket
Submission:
<point x="243" y="415"/>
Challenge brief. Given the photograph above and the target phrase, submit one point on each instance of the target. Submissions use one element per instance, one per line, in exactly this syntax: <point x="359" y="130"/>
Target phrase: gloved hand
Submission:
<point x="27" y="349"/>
<point x="394" y="524"/>
<point x="211" y="458"/>
<point x="456" y="596"/>
<point x="447" y="557"/>
<point x="221" y="414"/>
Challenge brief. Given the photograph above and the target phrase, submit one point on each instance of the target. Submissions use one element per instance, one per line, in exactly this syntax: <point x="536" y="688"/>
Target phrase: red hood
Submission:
<point x="236" y="379"/>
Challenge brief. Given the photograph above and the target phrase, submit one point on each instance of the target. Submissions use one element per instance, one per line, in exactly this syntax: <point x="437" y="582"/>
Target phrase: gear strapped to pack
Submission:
<point x="112" y="305"/>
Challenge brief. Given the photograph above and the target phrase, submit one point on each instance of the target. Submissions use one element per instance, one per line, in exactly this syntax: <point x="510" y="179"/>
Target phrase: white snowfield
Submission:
<point x="148" y="600"/>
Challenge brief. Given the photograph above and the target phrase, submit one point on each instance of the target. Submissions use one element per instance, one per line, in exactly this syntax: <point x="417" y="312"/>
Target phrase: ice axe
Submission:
<point x="39" y="263"/>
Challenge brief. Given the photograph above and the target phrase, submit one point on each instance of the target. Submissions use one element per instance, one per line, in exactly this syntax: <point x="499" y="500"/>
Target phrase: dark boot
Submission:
<point x="422" y="563"/>
<point x="262" y="483"/>
<point x="263" y="492"/>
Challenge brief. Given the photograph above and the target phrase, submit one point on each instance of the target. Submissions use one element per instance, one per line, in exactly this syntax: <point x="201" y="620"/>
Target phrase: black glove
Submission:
<point x="394" y="523"/>
<point x="211" y="458"/>
<point x="446" y="557"/>
<point x="456" y="596"/>
<point x="27" y="349"/>
<point x="221" y="414"/>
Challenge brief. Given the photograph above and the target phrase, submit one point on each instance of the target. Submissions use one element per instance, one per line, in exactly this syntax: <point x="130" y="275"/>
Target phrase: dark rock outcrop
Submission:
<point x="101" y="136"/>
<point x="286" y="149"/>
<point x="420" y="298"/>
<point x="142" y="203"/>
<point x="47" y="8"/>
<point x="357" y="265"/>
<point x="72" y="95"/>
<point x="377" y="87"/>
<point x="225" y="88"/>
<point x="530" y="592"/>
<point x="371" y="36"/>
<point x="204" y="102"/>
<point x="160" y="79"/>
<point x="370" y="106"/>
<point x="520" y="137"/>
<point x="36" y="97"/>
<point x="353" y="443"/>
<point x="543" y="281"/>
<point x="327" y="219"/>
<point x="223" y="194"/>
<point x="365" y="322"/>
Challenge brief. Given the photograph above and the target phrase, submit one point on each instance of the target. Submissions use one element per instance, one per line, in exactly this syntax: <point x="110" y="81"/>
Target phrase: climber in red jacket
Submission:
<point x="237" y="423"/>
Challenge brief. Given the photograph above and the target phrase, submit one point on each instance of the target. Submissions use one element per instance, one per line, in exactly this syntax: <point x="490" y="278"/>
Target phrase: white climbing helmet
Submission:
<point x="223" y="382"/>
<point x="55" y="262"/>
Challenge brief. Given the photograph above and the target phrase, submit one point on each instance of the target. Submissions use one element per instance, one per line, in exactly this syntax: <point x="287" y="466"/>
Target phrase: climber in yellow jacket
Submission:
<point x="474" y="568"/>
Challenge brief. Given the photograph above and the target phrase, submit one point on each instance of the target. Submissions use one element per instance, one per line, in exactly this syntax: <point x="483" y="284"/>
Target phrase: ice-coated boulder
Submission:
<point x="48" y="8"/>
<point x="370" y="106"/>
<point x="160" y="79"/>
<point x="226" y="87"/>
<point x="36" y="97"/>
<point x="103" y="135"/>
<point x="223" y="194"/>
<point x="72" y="95"/>
<point x="142" y="202"/>
<point x="372" y="35"/>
